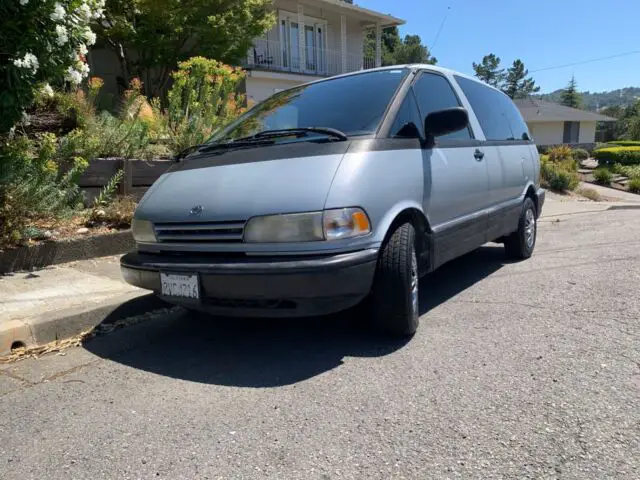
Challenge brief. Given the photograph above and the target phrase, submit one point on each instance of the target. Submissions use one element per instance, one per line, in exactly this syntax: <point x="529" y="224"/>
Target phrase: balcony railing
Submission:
<point x="278" y="56"/>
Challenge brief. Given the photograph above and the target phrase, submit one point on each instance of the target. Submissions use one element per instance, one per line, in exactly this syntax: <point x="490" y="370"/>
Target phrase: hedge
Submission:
<point x="625" y="143"/>
<point x="623" y="155"/>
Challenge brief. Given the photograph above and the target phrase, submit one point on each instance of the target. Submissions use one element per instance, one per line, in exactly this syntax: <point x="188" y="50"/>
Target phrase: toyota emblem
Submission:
<point x="196" y="210"/>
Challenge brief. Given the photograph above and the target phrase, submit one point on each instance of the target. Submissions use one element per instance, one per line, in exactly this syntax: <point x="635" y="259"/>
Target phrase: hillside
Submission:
<point x="593" y="100"/>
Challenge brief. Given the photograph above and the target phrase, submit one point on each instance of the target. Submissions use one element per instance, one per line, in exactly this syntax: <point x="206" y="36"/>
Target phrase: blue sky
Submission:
<point x="542" y="33"/>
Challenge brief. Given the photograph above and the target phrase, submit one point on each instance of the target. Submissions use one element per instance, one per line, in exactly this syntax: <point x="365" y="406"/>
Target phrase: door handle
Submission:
<point x="478" y="154"/>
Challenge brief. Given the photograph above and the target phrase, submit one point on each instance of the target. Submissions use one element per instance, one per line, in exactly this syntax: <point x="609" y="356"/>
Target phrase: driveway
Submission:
<point x="519" y="370"/>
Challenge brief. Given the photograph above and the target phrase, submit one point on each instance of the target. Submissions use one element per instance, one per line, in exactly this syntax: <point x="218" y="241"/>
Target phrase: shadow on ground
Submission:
<point x="270" y="353"/>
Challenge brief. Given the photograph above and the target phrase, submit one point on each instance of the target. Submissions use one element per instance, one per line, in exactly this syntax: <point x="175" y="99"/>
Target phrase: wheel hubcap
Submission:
<point x="529" y="228"/>
<point x="414" y="283"/>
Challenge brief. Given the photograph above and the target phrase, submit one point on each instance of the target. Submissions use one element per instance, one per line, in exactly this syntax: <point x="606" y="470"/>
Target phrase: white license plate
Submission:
<point x="184" y="286"/>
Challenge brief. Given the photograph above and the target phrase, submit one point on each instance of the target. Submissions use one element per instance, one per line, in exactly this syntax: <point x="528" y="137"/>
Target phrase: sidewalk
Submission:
<point x="64" y="300"/>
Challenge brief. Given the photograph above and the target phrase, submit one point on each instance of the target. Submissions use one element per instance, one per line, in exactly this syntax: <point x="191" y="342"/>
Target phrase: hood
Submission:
<point x="240" y="184"/>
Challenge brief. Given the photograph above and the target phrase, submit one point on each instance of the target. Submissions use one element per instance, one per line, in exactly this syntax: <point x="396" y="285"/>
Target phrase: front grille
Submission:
<point x="202" y="232"/>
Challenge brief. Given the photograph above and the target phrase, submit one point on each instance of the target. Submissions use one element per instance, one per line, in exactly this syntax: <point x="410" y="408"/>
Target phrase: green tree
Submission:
<point x="150" y="37"/>
<point x="489" y="70"/>
<point x="411" y="50"/>
<point x="570" y="97"/>
<point x="517" y="84"/>
<point x="396" y="51"/>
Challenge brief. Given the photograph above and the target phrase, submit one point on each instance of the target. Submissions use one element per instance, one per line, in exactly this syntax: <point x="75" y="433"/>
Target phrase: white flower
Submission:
<point x="28" y="62"/>
<point x="83" y="68"/>
<point x="58" y="13"/>
<point x="46" y="90"/>
<point x="82" y="49"/>
<point x="73" y="76"/>
<point x="61" y="32"/>
<point x="24" y="2"/>
<point x="25" y="119"/>
<point x="89" y="36"/>
<point x="99" y="13"/>
<point x="84" y="12"/>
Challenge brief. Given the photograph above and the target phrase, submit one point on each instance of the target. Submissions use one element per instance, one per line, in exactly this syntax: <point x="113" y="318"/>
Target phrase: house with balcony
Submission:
<point x="311" y="39"/>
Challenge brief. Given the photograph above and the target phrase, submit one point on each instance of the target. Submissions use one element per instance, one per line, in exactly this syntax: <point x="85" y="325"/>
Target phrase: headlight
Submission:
<point x="143" y="231"/>
<point x="308" y="227"/>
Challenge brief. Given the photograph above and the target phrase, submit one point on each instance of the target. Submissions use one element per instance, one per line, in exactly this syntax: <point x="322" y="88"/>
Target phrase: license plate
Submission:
<point x="183" y="286"/>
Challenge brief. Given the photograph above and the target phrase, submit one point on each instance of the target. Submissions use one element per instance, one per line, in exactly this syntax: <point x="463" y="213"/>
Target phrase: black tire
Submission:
<point x="520" y="244"/>
<point x="394" y="298"/>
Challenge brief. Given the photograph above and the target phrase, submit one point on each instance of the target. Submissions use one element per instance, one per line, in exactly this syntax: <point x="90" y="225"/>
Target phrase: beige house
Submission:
<point x="552" y="124"/>
<point x="312" y="39"/>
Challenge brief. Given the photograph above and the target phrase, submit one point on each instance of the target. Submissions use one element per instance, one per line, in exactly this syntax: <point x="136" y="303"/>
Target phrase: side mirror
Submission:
<point x="446" y="121"/>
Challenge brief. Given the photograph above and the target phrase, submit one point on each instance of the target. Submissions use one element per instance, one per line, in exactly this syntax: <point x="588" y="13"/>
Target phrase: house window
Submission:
<point x="571" y="132"/>
<point x="314" y="40"/>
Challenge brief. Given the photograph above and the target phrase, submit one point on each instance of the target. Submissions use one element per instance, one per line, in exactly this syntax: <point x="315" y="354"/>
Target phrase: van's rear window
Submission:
<point x="353" y="104"/>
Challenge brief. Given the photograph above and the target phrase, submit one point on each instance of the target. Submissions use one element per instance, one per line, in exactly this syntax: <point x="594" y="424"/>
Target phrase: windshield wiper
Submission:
<point x="210" y="147"/>
<point x="296" y="132"/>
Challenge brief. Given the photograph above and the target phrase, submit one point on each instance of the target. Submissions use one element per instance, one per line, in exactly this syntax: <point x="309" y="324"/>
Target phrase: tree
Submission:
<point x="570" y="97"/>
<point x="396" y="51"/>
<point x="411" y="50"/>
<point x="489" y="70"/>
<point x="150" y="37"/>
<point x="41" y="42"/>
<point x="517" y="84"/>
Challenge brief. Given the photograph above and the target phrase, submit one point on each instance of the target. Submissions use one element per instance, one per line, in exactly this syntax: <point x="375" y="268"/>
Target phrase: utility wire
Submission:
<point x="635" y="52"/>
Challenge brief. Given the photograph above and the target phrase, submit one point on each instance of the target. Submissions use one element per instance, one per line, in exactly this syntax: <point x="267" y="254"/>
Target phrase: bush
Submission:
<point x="634" y="185"/>
<point x="35" y="182"/>
<point x="603" y="175"/>
<point x="116" y="214"/>
<point x="624" y="143"/>
<point x="590" y="193"/>
<point x="580" y="154"/>
<point x="46" y="42"/>
<point x="560" y="153"/>
<point x="559" y="176"/>
<point x="202" y="99"/>
<point x="624" y="155"/>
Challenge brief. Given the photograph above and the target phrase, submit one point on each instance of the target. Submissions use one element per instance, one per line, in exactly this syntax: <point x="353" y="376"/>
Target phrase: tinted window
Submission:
<point x="407" y="123"/>
<point x="499" y="118"/>
<point x="354" y="105"/>
<point x="435" y="93"/>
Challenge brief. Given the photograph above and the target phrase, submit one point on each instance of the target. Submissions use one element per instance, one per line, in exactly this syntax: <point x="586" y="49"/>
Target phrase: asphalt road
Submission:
<point x="520" y="370"/>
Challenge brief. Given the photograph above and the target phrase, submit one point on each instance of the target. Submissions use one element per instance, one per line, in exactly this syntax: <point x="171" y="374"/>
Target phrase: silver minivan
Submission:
<point x="340" y="192"/>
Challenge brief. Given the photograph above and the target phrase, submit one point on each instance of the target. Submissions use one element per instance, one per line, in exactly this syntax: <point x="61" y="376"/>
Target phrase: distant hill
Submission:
<point x="593" y="100"/>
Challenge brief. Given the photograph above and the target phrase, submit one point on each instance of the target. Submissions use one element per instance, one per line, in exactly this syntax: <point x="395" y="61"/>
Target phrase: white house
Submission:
<point x="311" y="39"/>
<point x="552" y="124"/>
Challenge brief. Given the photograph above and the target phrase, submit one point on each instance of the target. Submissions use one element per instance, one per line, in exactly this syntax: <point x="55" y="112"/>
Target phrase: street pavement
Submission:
<point x="518" y="370"/>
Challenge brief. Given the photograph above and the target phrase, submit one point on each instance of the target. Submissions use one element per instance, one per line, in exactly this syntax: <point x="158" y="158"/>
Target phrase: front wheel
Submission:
<point x="520" y="244"/>
<point x="395" y="287"/>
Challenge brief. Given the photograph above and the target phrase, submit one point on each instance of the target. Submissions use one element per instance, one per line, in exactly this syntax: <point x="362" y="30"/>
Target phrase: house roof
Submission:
<point x="535" y="110"/>
<point x="374" y="17"/>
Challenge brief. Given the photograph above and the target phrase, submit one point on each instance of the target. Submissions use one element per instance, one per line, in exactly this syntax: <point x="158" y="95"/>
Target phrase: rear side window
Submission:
<point x="499" y="118"/>
<point x="434" y="93"/>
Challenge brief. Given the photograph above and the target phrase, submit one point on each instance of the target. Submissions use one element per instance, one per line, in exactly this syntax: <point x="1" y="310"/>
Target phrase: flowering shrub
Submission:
<point x="202" y="99"/>
<point x="42" y="42"/>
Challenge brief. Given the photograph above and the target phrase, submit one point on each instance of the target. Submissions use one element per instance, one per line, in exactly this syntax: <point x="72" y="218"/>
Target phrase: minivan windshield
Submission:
<point x="353" y="105"/>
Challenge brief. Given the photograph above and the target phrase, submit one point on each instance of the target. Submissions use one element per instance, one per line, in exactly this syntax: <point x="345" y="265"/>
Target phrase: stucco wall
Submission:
<point x="546" y="133"/>
<point x="551" y="133"/>
<point x="259" y="89"/>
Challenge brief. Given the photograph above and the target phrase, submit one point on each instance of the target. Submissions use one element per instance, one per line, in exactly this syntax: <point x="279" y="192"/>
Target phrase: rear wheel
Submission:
<point x="520" y="244"/>
<point x="395" y="288"/>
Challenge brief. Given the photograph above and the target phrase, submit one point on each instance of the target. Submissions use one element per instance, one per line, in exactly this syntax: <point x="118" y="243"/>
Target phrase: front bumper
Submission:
<point x="257" y="286"/>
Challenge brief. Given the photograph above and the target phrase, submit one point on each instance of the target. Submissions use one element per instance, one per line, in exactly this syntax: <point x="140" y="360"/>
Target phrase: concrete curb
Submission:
<point x="62" y="251"/>
<point x="68" y="323"/>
